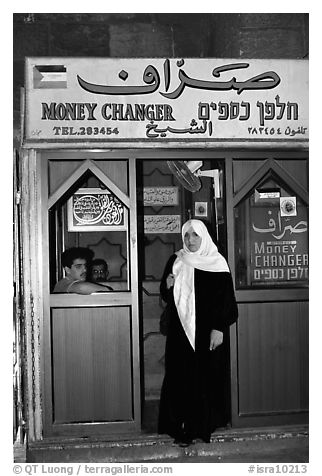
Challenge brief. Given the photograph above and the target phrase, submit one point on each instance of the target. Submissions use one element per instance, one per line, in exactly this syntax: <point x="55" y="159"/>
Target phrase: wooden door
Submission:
<point x="90" y="343"/>
<point x="268" y="246"/>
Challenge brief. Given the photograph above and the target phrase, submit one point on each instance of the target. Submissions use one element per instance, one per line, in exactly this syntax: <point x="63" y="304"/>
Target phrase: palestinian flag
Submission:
<point x="50" y="76"/>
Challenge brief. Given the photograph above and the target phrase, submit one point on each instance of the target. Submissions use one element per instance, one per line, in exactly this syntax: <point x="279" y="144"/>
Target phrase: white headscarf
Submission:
<point x="206" y="258"/>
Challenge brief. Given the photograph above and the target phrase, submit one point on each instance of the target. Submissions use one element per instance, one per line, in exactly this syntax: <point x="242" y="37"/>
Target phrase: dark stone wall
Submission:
<point x="165" y="35"/>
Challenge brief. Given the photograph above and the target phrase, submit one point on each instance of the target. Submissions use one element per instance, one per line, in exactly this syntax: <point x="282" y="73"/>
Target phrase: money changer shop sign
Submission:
<point x="166" y="100"/>
<point x="279" y="244"/>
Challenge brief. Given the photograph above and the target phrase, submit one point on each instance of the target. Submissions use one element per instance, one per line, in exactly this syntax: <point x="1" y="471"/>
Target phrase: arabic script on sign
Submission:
<point x="160" y="196"/>
<point x="162" y="224"/>
<point x="151" y="80"/>
<point x="91" y="209"/>
<point x="278" y="230"/>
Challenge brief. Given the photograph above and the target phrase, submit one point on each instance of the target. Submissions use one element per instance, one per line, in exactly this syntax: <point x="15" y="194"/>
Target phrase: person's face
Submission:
<point x="99" y="273"/>
<point x="192" y="240"/>
<point x="77" y="270"/>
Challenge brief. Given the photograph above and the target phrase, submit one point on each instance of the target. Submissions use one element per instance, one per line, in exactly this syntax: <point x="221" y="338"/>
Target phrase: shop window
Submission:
<point x="92" y="217"/>
<point x="271" y="237"/>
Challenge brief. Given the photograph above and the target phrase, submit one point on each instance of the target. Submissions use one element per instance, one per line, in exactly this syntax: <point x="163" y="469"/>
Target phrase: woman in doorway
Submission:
<point x="198" y="289"/>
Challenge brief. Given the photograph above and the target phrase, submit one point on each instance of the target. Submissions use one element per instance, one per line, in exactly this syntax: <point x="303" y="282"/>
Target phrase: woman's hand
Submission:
<point x="216" y="338"/>
<point x="170" y="281"/>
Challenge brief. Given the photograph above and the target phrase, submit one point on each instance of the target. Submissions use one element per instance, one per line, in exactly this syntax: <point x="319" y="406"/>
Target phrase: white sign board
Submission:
<point x="166" y="100"/>
<point x="160" y="196"/>
<point x="162" y="224"/>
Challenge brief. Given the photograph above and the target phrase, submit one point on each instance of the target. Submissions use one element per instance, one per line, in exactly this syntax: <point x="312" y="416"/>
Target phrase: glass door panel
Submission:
<point x="271" y="237"/>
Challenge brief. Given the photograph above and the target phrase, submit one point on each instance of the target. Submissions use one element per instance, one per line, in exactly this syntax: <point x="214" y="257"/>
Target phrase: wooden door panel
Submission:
<point x="91" y="367"/>
<point x="60" y="169"/>
<point x="272" y="358"/>
<point x="243" y="170"/>
<point x="91" y="383"/>
<point x="269" y="344"/>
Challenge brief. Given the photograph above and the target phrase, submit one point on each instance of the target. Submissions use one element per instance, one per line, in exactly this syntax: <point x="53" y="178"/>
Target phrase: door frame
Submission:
<point x="127" y="298"/>
<point x="269" y="295"/>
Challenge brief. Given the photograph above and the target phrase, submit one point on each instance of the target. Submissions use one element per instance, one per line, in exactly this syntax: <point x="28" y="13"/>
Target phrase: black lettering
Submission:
<point x="117" y="112"/>
<point x="70" y="111"/>
<point x="48" y="112"/>
<point x="91" y="108"/>
<point x="61" y="111"/>
<point x="103" y="111"/>
<point x="139" y="110"/>
<point x="150" y="112"/>
<point x="128" y="116"/>
<point x="168" y="113"/>
<point x="159" y="112"/>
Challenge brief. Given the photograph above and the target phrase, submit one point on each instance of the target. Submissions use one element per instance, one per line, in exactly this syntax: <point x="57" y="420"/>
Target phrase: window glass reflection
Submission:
<point x="271" y="238"/>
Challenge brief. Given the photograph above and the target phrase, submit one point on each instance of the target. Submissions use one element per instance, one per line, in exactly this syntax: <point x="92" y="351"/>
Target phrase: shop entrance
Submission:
<point x="97" y="360"/>
<point x="102" y="354"/>
<point x="164" y="204"/>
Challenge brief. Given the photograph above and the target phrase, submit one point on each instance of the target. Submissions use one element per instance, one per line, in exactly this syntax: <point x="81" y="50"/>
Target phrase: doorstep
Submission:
<point x="153" y="447"/>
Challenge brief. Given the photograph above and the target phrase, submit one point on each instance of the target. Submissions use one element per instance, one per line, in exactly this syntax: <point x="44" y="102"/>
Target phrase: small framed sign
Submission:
<point x="288" y="206"/>
<point x="94" y="209"/>
<point x="201" y="209"/>
<point x="162" y="224"/>
<point x="160" y="196"/>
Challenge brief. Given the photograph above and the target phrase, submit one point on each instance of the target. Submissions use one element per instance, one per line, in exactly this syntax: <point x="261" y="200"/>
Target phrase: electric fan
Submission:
<point x="187" y="173"/>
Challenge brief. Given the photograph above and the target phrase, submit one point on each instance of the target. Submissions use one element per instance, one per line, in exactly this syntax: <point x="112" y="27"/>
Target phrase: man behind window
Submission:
<point x="99" y="272"/>
<point x="74" y="262"/>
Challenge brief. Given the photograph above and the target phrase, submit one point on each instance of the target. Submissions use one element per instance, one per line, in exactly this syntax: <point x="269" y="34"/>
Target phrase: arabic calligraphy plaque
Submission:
<point x="93" y="209"/>
<point x="162" y="224"/>
<point x="160" y="196"/>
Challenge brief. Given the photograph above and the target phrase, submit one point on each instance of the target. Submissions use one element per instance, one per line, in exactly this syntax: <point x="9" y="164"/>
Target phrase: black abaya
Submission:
<point x="194" y="389"/>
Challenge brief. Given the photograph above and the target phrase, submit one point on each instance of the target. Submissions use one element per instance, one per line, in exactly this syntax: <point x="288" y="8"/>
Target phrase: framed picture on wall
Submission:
<point x="94" y="209"/>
